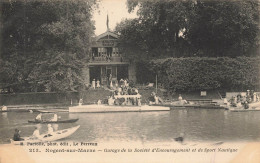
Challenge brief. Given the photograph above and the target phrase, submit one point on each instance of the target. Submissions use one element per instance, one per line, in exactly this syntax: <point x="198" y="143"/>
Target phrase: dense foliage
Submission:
<point x="44" y="44"/>
<point x="144" y="74"/>
<point x="188" y="28"/>
<point x="204" y="73"/>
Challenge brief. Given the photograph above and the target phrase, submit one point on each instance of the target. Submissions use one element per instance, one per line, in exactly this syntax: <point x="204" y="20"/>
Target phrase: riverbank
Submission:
<point x="211" y="101"/>
<point x="136" y="152"/>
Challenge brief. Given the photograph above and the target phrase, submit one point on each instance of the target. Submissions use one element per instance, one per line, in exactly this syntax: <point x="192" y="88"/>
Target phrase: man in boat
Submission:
<point x="180" y="138"/>
<point x="38" y="117"/>
<point x="4" y="108"/>
<point x="180" y="97"/>
<point x="50" y="130"/>
<point x="55" y="118"/>
<point x="36" y="133"/>
<point x="17" y="136"/>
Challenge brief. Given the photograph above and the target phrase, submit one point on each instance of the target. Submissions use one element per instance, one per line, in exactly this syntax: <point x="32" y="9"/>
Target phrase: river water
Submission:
<point x="200" y="125"/>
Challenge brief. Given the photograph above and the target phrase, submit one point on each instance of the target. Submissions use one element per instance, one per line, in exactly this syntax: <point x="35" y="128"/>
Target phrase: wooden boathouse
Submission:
<point x="107" y="61"/>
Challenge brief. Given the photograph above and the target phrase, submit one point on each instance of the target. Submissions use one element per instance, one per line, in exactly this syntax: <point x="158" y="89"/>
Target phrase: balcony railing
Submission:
<point x="109" y="59"/>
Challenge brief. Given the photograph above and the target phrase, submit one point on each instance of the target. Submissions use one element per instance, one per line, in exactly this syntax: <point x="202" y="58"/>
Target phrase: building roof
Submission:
<point x="107" y="34"/>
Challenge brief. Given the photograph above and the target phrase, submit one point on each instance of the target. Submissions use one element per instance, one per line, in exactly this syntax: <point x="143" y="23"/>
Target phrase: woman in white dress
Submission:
<point x="98" y="84"/>
<point x="93" y="84"/>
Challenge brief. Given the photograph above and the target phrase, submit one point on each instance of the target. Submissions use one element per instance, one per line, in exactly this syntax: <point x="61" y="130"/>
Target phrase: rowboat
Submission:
<point x="59" y="121"/>
<point x="14" y="110"/>
<point x="95" y="108"/>
<point x="56" y="135"/>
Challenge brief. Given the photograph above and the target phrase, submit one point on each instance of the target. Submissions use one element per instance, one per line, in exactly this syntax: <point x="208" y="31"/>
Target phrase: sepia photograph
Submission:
<point x="129" y="81"/>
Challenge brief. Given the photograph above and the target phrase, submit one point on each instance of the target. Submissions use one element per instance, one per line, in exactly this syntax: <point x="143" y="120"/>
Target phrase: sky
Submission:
<point x="116" y="10"/>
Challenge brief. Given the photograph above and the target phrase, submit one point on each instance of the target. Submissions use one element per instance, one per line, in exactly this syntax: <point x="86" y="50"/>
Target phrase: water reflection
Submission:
<point x="198" y="125"/>
<point x="4" y="114"/>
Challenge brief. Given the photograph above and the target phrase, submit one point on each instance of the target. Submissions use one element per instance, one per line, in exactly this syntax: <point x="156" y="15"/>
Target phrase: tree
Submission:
<point x="192" y="28"/>
<point x="45" y="44"/>
<point x="224" y="28"/>
<point x="132" y="38"/>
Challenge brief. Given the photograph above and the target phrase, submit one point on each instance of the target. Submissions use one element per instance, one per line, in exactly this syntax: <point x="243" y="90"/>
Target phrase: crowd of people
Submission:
<point x="112" y="84"/>
<point x="123" y="94"/>
<point x="244" y="100"/>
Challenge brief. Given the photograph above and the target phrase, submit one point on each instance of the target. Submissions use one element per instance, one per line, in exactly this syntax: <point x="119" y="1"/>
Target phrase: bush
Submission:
<point x="144" y="73"/>
<point x="194" y="73"/>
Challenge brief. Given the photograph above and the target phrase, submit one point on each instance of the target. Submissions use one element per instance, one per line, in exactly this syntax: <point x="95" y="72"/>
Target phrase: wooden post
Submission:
<point x="156" y="83"/>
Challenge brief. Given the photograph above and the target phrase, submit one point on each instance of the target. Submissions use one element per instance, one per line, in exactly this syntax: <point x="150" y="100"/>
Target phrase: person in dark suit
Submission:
<point x="17" y="136"/>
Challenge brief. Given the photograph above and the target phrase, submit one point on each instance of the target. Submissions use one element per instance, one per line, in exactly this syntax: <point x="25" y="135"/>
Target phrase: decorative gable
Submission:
<point x="107" y="35"/>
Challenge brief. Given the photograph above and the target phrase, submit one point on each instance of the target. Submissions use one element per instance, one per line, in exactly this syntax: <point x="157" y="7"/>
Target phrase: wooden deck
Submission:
<point x="106" y="108"/>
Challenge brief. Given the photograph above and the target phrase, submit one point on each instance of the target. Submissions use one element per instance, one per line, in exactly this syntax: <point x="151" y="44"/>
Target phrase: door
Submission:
<point x="95" y="73"/>
<point x="109" y="71"/>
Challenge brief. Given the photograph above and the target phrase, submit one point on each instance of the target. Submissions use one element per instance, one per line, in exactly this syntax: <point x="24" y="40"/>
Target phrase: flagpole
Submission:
<point x="107" y="22"/>
<point x="156" y="87"/>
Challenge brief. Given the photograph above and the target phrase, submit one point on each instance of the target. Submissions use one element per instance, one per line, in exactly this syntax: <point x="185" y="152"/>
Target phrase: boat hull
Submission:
<point x="59" y="121"/>
<point x="51" y="110"/>
<point x="244" y="110"/>
<point x="251" y="107"/>
<point x="57" y="135"/>
<point x="107" y="108"/>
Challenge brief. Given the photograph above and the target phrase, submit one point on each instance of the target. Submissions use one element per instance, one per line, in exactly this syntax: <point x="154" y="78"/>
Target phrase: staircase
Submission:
<point x="202" y="101"/>
<point x="222" y="94"/>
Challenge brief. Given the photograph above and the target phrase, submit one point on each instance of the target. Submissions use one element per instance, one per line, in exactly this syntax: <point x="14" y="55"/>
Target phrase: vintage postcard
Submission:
<point x="112" y="81"/>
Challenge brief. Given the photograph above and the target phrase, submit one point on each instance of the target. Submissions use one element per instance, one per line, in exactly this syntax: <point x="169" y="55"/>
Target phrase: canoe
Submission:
<point x="59" y="121"/>
<point x="51" y="110"/>
<point x="57" y="135"/>
<point x="116" y="108"/>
